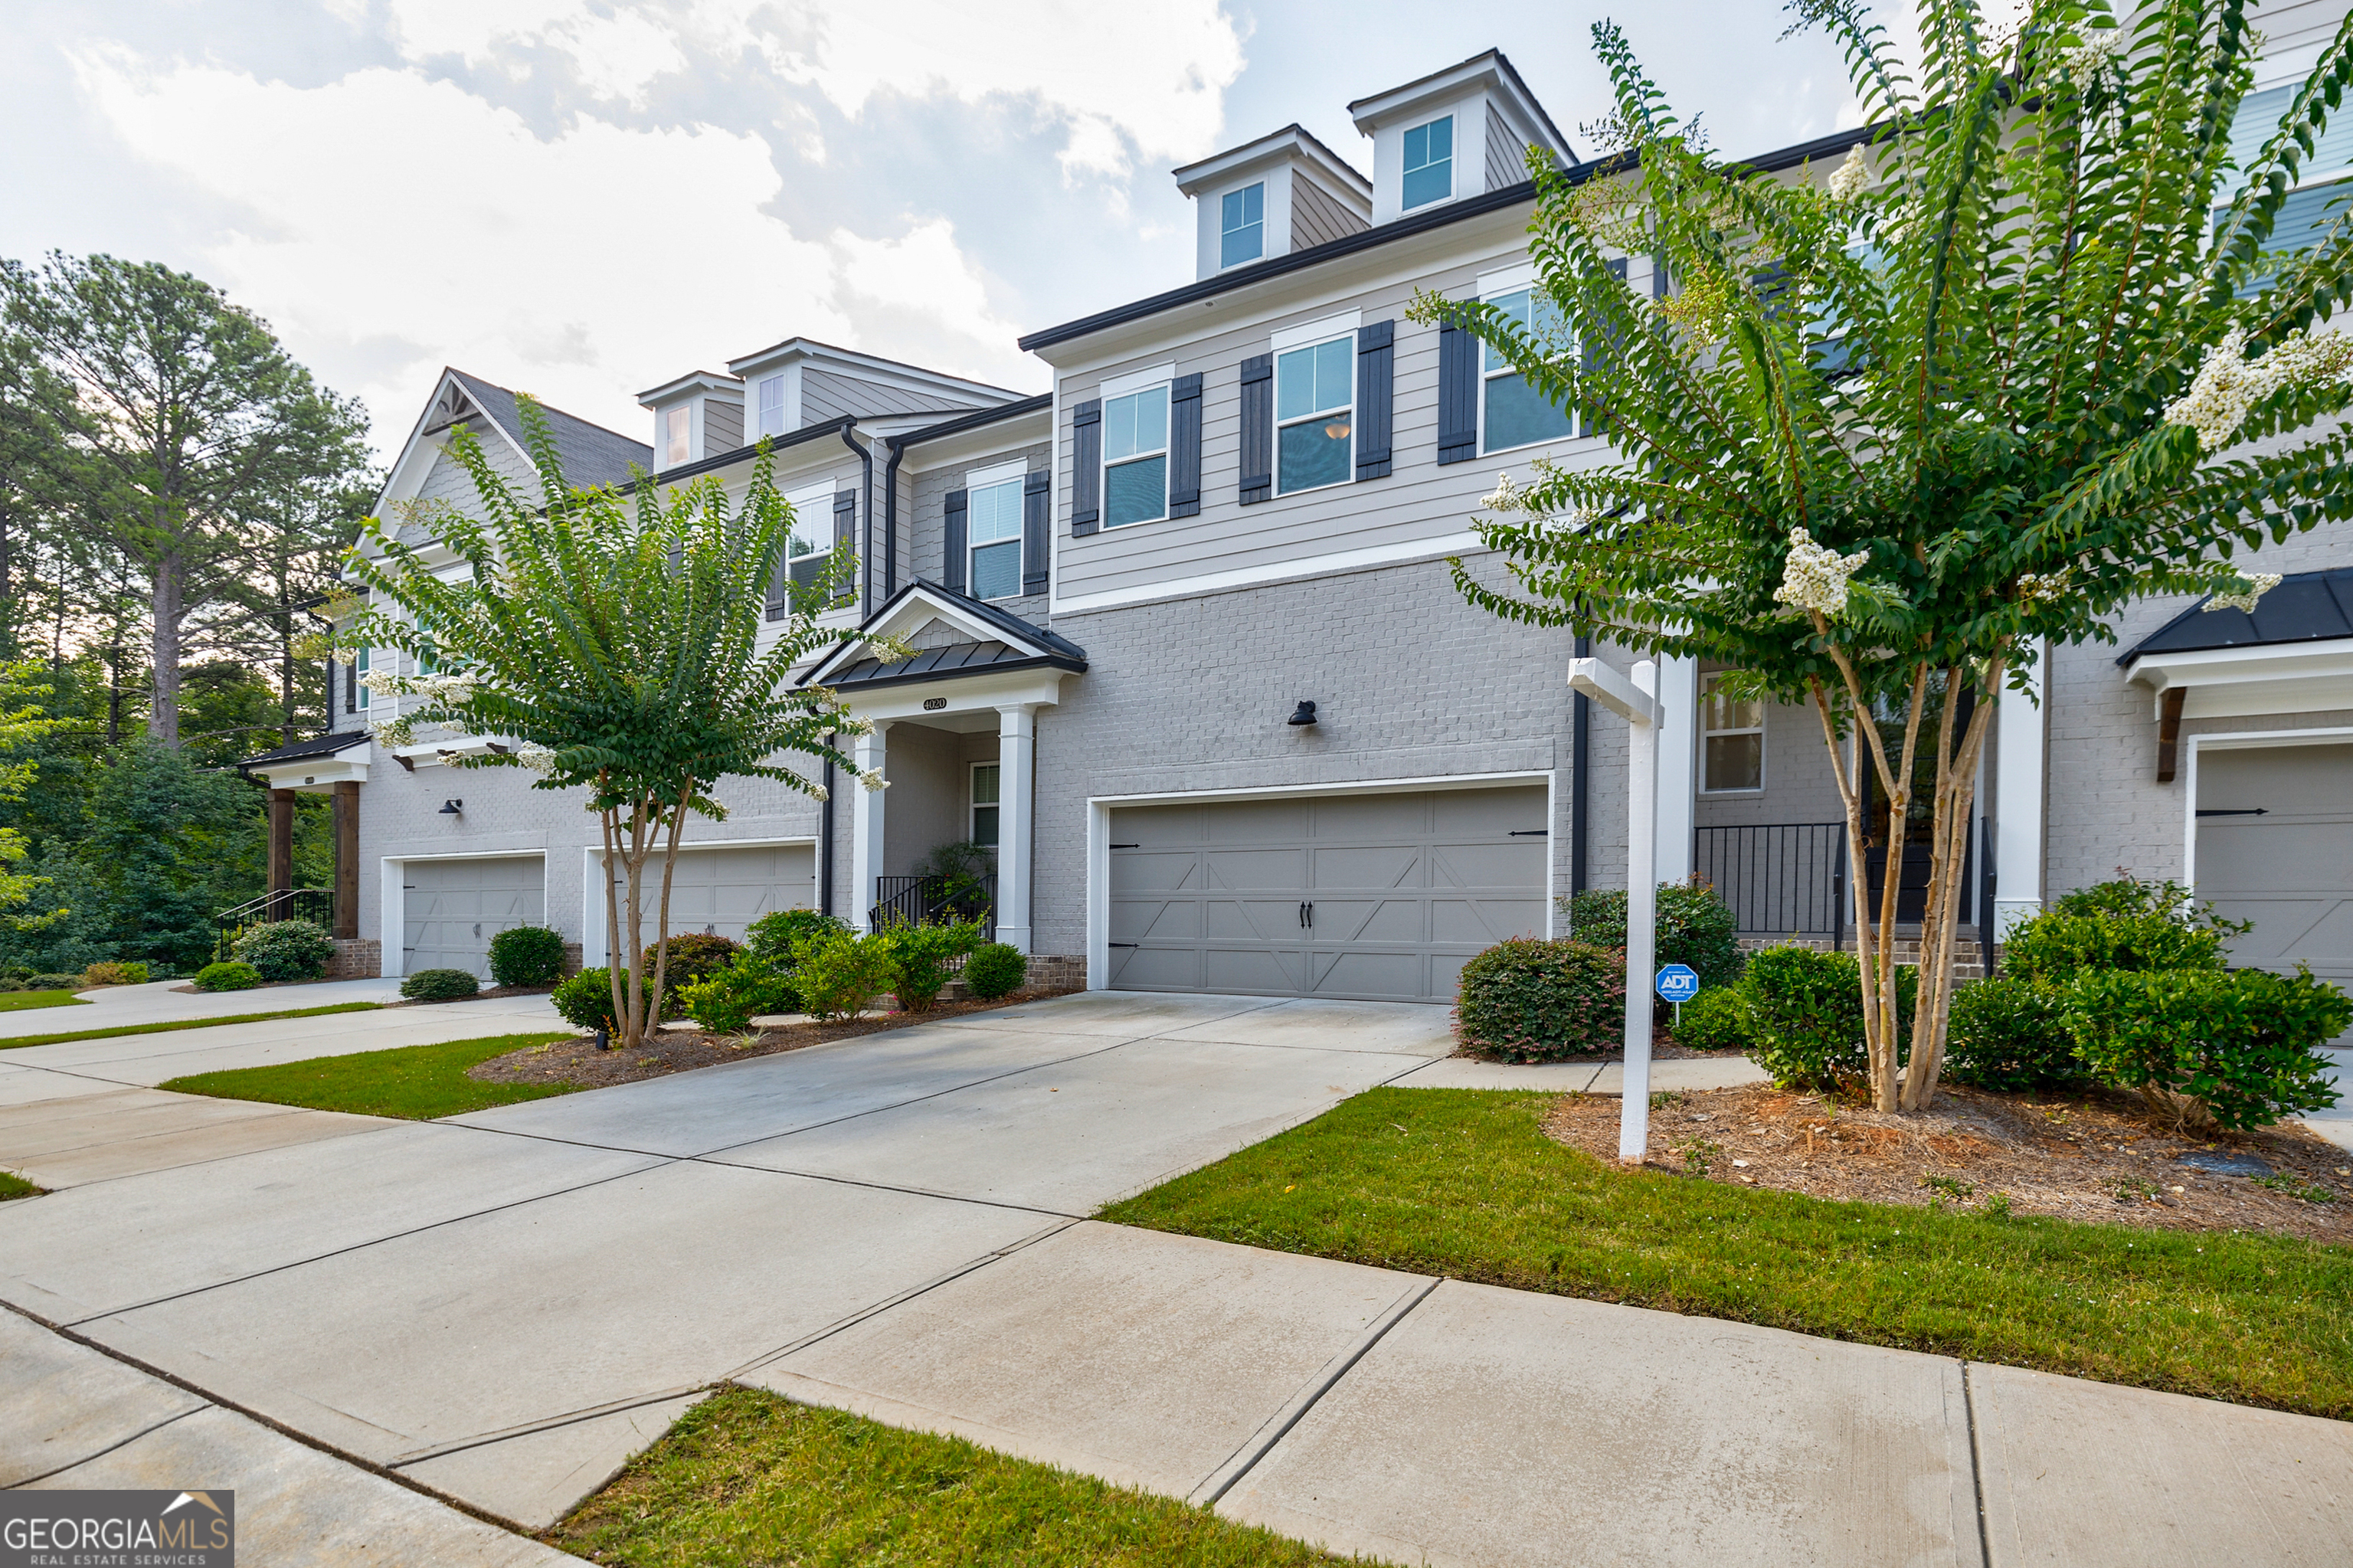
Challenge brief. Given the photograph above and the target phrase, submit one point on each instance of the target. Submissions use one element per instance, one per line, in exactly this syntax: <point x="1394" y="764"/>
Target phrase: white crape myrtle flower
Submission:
<point x="535" y="757"/>
<point x="1815" y="577"/>
<point x="2254" y="587"/>
<point x="1852" y="178"/>
<point x="873" y="782"/>
<point x="1506" y="496"/>
<point x="2229" y="383"/>
<point x="820" y="793"/>
<point x="2042" y="588"/>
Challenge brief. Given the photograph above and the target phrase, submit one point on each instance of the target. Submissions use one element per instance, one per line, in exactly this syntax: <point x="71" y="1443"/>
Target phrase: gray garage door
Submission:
<point x="1378" y="897"/>
<point x="2289" y="870"/>
<point x="724" y="890"/>
<point x="451" y="908"/>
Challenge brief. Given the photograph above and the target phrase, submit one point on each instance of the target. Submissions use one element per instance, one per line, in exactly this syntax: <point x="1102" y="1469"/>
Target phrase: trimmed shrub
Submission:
<point x="114" y="974"/>
<point x="527" y="955"/>
<point x="285" y="950"/>
<point x="585" y="1000"/>
<point x="2241" y="1047"/>
<point x="1716" y="1020"/>
<point x="920" y="956"/>
<point x="1528" y="1000"/>
<point x="1805" y="1007"/>
<point x="2010" y="1034"/>
<point x="694" y="956"/>
<point x="54" y="983"/>
<point x="995" y="969"/>
<point x="840" y="973"/>
<point x="751" y="987"/>
<point x="227" y="977"/>
<point x="771" y="936"/>
<point x="2055" y="949"/>
<point x="1694" y="928"/>
<point x="439" y="985"/>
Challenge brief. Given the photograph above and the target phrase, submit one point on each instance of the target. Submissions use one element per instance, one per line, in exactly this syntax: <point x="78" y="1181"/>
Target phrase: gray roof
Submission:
<point x="591" y="454"/>
<point x="316" y="745"/>
<point x="2307" y="606"/>
<point x="958" y="658"/>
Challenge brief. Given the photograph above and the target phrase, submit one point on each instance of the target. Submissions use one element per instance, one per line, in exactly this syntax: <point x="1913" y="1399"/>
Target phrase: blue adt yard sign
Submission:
<point x="1678" y="982"/>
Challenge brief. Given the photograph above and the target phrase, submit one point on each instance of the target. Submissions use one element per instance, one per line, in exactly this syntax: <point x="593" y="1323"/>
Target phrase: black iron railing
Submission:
<point x="1781" y="879"/>
<point x="926" y="900"/>
<point x="316" y="904"/>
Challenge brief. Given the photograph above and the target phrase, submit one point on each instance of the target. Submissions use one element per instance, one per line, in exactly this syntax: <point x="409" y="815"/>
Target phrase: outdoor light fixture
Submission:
<point x="453" y="808"/>
<point x="1306" y="713"/>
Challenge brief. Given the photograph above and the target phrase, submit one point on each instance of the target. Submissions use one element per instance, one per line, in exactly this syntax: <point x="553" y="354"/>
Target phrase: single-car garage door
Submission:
<point x="2288" y="869"/>
<point x="724" y="890"/>
<point x="451" y="908"/>
<point x="1376" y="897"/>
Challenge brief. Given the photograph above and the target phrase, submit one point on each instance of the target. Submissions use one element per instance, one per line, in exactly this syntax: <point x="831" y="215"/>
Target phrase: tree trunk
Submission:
<point x="164" y="710"/>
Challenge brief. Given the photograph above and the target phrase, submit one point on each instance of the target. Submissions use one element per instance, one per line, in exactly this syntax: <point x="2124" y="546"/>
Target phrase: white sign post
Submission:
<point x="1636" y="701"/>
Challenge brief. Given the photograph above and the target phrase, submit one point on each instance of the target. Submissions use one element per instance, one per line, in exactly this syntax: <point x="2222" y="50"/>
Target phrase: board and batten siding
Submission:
<point x="928" y="505"/>
<point x="1420" y="501"/>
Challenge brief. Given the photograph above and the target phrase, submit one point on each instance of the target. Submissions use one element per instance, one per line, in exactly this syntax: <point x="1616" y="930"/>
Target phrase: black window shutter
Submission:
<point x="1185" y="447"/>
<point x="1086" y="467"/>
<point x="1458" y="395"/>
<point x="351" y="690"/>
<point x="1595" y="357"/>
<point x="780" y="581"/>
<point x="1036" y="505"/>
<point x="952" y="565"/>
<point x="1376" y="379"/>
<point x="845" y="537"/>
<point x="1258" y="430"/>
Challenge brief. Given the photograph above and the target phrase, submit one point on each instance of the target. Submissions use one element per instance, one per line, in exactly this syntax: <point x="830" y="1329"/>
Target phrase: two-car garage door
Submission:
<point x="1369" y="896"/>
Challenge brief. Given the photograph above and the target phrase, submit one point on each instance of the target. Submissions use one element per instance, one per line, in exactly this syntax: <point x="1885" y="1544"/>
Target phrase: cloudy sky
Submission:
<point x="581" y="198"/>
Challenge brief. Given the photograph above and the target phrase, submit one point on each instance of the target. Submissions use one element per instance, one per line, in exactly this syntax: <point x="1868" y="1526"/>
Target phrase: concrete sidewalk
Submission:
<point x="161" y="1002"/>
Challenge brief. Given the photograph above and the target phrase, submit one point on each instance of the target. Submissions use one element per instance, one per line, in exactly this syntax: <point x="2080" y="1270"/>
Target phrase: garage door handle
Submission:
<point x="1122" y="944"/>
<point x="1529" y="833"/>
<point x="1307" y="916"/>
<point x="2241" y="811"/>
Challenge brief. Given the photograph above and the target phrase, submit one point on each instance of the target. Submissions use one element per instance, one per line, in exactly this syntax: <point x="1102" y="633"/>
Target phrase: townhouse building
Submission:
<point x="1189" y="657"/>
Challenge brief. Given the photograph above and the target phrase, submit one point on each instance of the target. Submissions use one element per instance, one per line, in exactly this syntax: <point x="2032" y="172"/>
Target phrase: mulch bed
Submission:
<point x="578" y="1061"/>
<point x="2099" y="1157"/>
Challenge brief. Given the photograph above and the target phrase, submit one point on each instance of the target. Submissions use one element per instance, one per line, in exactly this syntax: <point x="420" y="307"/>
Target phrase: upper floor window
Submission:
<point x="1511" y="412"/>
<point x="678" y="436"/>
<point x="1315" y="402"/>
<point x="772" y="406"/>
<point x="1242" y="226"/>
<point x="1733" y="756"/>
<point x="359" y="693"/>
<point x="985" y="803"/>
<point x="1135" y="457"/>
<point x="1428" y="163"/>
<point x="808" y="550"/>
<point x="993" y="530"/>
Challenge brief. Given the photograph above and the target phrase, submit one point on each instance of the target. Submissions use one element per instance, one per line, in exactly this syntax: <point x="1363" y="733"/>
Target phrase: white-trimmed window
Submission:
<point x="678" y="435"/>
<point x="1314" y="414"/>
<point x="359" y="693"/>
<point x="1732" y="748"/>
<point x="1511" y="412"/>
<point x="1429" y="163"/>
<point x="772" y="406"/>
<point x="811" y="542"/>
<point x="1242" y="226"/>
<point x="1135" y="456"/>
<point x="993" y="538"/>
<point x="984" y="803"/>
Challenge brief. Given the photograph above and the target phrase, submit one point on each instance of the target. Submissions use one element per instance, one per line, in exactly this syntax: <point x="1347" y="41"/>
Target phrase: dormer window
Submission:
<point x="772" y="406"/>
<point x="1428" y="163"/>
<point x="678" y="436"/>
<point x="1135" y="457"/>
<point x="1241" y="228"/>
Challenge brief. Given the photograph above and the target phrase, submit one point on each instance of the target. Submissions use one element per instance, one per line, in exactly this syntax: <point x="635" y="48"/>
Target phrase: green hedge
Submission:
<point x="2244" y="1044"/>
<point x="440" y="985"/>
<point x="526" y="956"/>
<point x="284" y="949"/>
<point x="1717" y="1019"/>
<point x="995" y="969"/>
<point x="1535" y="1000"/>
<point x="1694" y="928"/>
<point x="227" y="977"/>
<point x="1806" y="1012"/>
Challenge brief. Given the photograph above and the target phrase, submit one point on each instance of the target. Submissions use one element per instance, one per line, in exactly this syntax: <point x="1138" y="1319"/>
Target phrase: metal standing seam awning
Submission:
<point x="2293" y="653"/>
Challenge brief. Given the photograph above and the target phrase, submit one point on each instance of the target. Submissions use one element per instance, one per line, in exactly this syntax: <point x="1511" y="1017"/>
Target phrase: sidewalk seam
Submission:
<point x="1262" y="1443"/>
<point x="1977" y="1464"/>
<point x="111" y="1447"/>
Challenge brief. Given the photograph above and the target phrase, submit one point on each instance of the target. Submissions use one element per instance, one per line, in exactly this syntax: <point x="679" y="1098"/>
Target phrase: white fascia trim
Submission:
<point x="1318" y="330"/>
<point x="1137" y="380"/>
<point x="2242" y="741"/>
<point x="967" y="694"/>
<point x="1507" y="279"/>
<point x="2327" y="659"/>
<point x="1419" y="782"/>
<point x="981" y="478"/>
<point x="1372" y="555"/>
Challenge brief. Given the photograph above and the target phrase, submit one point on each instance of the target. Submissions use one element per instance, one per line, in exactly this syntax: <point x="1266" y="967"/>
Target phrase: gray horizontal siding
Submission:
<point x="825" y="397"/>
<point x="722" y="427"/>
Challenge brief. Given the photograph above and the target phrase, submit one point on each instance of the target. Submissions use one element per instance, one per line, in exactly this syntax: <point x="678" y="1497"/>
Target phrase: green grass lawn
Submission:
<point x="12" y="1186"/>
<point x="12" y="1042"/>
<point x="418" y="1082"/>
<point x="1464" y="1183"/>
<point x="747" y="1477"/>
<point x="19" y="1001"/>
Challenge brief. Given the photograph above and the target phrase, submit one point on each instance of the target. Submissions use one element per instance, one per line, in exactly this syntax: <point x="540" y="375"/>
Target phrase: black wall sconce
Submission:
<point x="453" y="808"/>
<point x="1306" y="713"/>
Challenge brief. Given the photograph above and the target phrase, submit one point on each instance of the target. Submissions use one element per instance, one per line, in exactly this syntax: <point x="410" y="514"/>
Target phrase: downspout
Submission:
<point x="825" y="841"/>
<point x="890" y="517"/>
<point x="865" y="515"/>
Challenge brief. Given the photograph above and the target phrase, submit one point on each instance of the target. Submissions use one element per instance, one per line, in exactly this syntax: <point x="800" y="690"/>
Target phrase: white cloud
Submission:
<point x="394" y="222"/>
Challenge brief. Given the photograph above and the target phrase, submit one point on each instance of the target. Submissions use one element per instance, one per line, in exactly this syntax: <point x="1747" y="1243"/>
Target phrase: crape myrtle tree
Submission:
<point x="612" y="641"/>
<point x="2029" y="352"/>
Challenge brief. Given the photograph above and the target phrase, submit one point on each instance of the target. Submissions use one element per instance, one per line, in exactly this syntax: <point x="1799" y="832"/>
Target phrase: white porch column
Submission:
<point x="1017" y="789"/>
<point x="1678" y="766"/>
<point x="866" y="826"/>
<point x="2018" y="802"/>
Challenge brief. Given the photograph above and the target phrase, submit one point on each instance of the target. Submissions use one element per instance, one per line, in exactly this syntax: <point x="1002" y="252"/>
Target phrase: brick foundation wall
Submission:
<point x="1056" y="971"/>
<point x="356" y="958"/>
